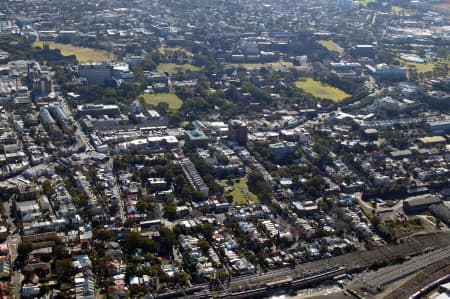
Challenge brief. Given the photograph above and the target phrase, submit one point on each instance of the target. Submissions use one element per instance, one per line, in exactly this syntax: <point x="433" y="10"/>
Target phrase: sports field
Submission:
<point x="169" y="98"/>
<point x="420" y="67"/>
<point x="172" y="68"/>
<point x="321" y="90"/>
<point x="83" y="54"/>
<point x="331" y="46"/>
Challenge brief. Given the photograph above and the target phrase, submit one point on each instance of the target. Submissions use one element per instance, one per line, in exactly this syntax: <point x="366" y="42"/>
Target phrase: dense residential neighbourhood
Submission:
<point x="224" y="149"/>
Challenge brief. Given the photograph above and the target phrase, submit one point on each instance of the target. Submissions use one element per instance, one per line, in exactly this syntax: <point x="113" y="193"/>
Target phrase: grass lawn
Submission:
<point x="331" y="46"/>
<point x="241" y="194"/>
<point x="169" y="98"/>
<point x="248" y="66"/>
<point x="321" y="90"/>
<point x="165" y="50"/>
<point x="363" y="2"/>
<point x="400" y="10"/>
<point x="420" y="67"/>
<point x="83" y="54"/>
<point x="172" y="68"/>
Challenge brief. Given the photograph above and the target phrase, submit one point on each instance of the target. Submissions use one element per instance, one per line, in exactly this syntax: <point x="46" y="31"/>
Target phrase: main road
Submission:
<point x="78" y="131"/>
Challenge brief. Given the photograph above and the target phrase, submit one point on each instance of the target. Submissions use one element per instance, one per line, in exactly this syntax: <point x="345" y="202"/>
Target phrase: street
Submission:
<point x="13" y="241"/>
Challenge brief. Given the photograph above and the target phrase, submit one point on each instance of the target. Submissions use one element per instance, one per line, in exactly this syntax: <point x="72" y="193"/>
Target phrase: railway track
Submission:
<point x="350" y="262"/>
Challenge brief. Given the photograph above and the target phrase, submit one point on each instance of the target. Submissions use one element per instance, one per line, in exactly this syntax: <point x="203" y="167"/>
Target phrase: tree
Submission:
<point x="44" y="289"/>
<point x="254" y="180"/>
<point x="61" y="295"/>
<point x="48" y="188"/>
<point x="119" y="164"/>
<point x="162" y="107"/>
<point x="148" y="63"/>
<point x="65" y="269"/>
<point x="59" y="251"/>
<point x="103" y="235"/>
<point x="183" y="278"/>
<point x="320" y="232"/>
<point x="142" y="206"/>
<point x="204" y="246"/>
<point x="134" y="240"/>
<point x="223" y="160"/>
<point x="170" y="212"/>
<point x="257" y="185"/>
<point x="206" y="230"/>
<point x="167" y="239"/>
<point x="24" y="248"/>
<point x="197" y="196"/>
<point x="174" y="120"/>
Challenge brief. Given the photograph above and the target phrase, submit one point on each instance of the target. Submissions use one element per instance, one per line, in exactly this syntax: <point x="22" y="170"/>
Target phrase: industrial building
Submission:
<point x="420" y="203"/>
<point x="97" y="110"/>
